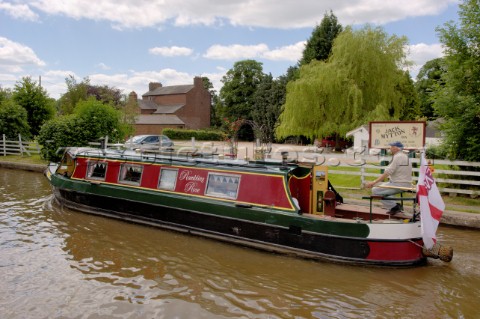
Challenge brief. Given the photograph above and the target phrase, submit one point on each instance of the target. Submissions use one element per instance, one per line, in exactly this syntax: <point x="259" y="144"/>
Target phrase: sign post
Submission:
<point x="410" y="133"/>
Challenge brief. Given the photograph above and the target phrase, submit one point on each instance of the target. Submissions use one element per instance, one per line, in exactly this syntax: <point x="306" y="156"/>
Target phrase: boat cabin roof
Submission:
<point x="270" y="165"/>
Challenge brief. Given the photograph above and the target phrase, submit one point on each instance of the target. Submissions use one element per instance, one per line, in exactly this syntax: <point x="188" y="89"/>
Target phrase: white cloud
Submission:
<point x="381" y="11"/>
<point x="253" y="13"/>
<point x="291" y="53"/>
<point x="14" y="56"/>
<point x="257" y="51"/>
<point x="103" y="66"/>
<point x="19" y="11"/>
<point x="235" y="51"/>
<point x="171" y="51"/>
<point x="421" y="53"/>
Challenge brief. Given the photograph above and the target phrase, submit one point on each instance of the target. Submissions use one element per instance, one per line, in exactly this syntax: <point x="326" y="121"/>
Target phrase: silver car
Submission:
<point x="149" y="142"/>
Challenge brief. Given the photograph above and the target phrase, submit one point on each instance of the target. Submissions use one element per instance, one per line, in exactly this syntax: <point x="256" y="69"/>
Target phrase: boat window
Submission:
<point x="130" y="174"/>
<point x="168" y="178"/>
<point x="96" y="170"/>
<point x="66" y="166"/>
<point x="223" y="185"/>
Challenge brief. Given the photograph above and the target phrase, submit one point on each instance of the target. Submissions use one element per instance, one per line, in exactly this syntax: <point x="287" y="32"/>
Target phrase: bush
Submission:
<point x="199" y="135"/>
<point x="56" y="134"/>
<point x="91" y="121"/>
<point x="436" y="152"/>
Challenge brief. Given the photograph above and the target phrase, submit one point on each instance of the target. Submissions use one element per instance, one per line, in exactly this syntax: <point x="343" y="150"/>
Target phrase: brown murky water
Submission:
<point x="57" y="263"/>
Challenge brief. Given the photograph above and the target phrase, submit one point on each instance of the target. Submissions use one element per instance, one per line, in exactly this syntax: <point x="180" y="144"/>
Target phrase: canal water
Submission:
<point x="58" y="263"/>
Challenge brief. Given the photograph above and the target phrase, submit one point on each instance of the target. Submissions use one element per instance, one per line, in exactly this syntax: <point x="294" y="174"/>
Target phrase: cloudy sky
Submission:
<point x="129" y="43"/>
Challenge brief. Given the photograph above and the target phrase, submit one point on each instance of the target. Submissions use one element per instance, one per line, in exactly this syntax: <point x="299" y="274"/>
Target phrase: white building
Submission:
<point x="360" y="140"/>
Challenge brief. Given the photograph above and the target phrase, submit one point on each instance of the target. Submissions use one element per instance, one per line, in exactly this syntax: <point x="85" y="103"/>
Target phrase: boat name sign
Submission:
<point x="191" y="186"/>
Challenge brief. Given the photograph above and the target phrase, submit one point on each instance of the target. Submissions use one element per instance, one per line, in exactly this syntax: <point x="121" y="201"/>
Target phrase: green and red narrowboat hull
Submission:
<point x="269" y="218"/>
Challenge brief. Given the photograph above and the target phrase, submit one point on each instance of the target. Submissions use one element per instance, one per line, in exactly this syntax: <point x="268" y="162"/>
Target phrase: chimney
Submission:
<point x="154" y="85"/>
<point x="197" y="81"/>
<point x="132" y="96"/>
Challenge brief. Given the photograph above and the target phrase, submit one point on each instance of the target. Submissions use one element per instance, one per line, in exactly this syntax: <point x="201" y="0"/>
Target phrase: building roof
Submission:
<point x="360" y="128"/>
<point x="159" y="108"/>
<point x="167" y="90"/>
<point x="147" y="105"/>
<point x="158" y="119"/>
<point x="168" y="109"/>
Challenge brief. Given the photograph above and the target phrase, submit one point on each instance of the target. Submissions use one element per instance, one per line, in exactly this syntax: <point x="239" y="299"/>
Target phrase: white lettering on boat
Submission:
<point x="192" y="187"/>
<point x="188" y="176"/>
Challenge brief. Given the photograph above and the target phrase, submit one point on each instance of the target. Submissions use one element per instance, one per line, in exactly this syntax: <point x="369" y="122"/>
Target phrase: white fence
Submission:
<point x="18" y="147"/>
<point x="468" y="182"/>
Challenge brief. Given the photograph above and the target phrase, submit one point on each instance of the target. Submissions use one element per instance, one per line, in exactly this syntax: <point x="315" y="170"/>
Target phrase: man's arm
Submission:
<point x="379" y="179"/>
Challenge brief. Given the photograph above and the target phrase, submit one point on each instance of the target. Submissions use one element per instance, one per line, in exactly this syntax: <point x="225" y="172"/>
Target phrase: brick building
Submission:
<point x="176" y="106"/>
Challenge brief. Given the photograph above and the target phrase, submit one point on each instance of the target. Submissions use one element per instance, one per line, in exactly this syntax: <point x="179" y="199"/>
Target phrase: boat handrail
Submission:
<point x="194" y="160"/>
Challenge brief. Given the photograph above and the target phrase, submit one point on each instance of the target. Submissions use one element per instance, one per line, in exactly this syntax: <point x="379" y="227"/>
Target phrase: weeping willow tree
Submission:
<point x="358" y="83"/>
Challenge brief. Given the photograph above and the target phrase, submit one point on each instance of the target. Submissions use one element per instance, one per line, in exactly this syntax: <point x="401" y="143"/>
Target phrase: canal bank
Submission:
<point x="450" y="216"/>
<point x="23" y="166"/>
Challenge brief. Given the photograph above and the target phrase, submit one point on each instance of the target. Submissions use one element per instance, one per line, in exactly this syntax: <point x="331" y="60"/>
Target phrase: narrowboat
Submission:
<point x="282" y="206"/>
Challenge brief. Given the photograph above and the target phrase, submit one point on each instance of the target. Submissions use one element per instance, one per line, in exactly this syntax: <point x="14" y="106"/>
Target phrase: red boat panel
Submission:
<point x="300" y="189"/>
<point x="266" y="190"/>
<point x="395" y="251"/>
<point x="80" y="168"/>
<point x="150" y="176"/>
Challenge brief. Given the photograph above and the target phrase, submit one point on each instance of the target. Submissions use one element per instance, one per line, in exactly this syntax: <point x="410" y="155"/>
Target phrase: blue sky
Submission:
<point x="129" y="43"/>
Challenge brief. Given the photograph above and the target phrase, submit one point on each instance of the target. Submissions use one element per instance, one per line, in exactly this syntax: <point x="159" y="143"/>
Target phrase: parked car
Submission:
<point x="329" y="141"/>
<point x="148" y="142"/>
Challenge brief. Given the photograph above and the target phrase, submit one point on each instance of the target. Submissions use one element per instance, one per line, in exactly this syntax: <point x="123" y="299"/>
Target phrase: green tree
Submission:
<point x="239" y="86"/>
<point x="428" y="79"/>
<point x="5" y="94"/>
<point x="34" y="99"/>
<point x="409" y="98"/>
<point x="130" y="113"/>
<point x="82" y="91"/>
<point x="269" y="98"/>
<point x="215" y="120"/>
<point x="319" y="45"/>
<point x="458" y="101"/>
<point x="13" y="120"/>
<point x="106" y="94"/>
<point x="358" y="83"/>
<point x="75" y="92"/>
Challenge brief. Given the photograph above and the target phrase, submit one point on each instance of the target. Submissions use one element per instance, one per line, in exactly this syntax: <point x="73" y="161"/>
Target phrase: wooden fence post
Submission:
<point x="4" y="146"/>
<point x="362" y="176"/>
<point x="21" y="147"/>
<point x="20" y="144"/>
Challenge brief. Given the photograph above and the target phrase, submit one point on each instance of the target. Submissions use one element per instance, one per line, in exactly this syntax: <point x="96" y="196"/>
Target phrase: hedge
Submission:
<point x="199" y="135"/>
